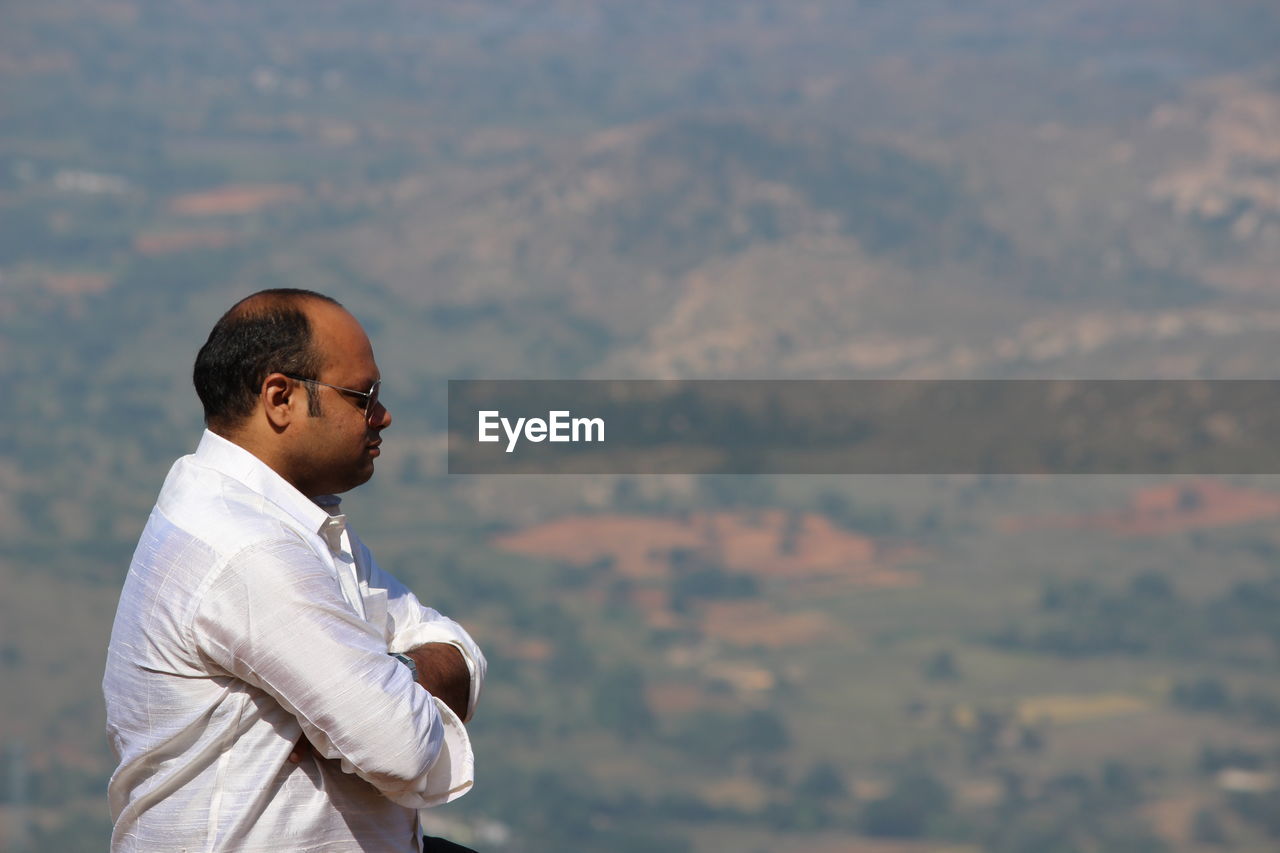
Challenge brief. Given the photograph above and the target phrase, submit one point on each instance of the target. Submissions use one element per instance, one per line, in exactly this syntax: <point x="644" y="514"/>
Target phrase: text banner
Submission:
<point x="864" y="427"/>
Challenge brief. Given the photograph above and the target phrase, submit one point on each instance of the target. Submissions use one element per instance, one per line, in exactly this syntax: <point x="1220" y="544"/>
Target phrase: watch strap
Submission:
<point x="407" y="661"/>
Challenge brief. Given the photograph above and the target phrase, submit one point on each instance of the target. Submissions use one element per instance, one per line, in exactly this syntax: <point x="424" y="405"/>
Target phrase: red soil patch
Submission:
<point x="788" y="544"/>
<point x="755" y="623"/>
<point x="163" y="243"/>
<point x="769" y="543"/>
<point x="654" y="602"/>
<point x="889" y="579"/>
<point x="639" y="546"/>
<point x="56" y="62"/>
<point x="536" y="651"/>
<point x="75" y="284"/>
<point x="518" y="647"/>
<point x="243" y="198"/>
<point x="1169" y="509"/>
<point x="675" y="698"/>
<point x="805" y="550"/>
<point x="649" y="598"/>
<point x="1171" y="818"/>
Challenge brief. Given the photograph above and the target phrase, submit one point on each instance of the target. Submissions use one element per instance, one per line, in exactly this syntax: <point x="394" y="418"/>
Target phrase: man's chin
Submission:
<point x="356" y="480"/>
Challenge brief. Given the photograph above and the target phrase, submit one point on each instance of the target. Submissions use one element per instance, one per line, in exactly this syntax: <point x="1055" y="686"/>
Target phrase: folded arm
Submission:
<point x="275" y="619"/>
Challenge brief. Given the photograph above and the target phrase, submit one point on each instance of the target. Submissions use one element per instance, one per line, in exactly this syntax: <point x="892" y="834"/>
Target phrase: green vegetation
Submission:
<point x="1083" y="619"/>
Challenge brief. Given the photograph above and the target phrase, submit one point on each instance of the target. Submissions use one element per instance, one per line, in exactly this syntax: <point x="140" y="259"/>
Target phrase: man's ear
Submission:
<point x="280" y="397"/>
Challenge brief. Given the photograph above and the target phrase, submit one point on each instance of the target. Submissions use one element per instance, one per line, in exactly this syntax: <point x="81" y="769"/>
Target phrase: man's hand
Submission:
<point x="443" y="671"/>
<point x="301" y="750"/>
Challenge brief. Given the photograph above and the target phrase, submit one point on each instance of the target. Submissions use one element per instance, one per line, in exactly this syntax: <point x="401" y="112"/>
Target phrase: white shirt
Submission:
<point x="250" y="617"/>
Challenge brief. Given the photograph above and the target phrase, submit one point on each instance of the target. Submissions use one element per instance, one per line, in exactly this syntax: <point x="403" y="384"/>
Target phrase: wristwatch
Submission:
<point x="407" y="661"/>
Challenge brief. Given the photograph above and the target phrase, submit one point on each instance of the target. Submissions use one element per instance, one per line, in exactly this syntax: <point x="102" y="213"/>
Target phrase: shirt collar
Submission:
<point x="319" y="515"/>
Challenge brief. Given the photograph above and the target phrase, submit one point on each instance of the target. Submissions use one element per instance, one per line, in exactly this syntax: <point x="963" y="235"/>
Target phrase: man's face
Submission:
<point x="334" y="452"/>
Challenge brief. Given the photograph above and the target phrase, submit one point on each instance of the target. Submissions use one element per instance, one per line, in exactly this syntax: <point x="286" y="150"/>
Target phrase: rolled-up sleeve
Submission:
<point x="273" y="616"/>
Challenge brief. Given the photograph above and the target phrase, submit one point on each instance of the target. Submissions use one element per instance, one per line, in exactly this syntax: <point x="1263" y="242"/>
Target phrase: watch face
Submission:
<point x="407" y="661"/>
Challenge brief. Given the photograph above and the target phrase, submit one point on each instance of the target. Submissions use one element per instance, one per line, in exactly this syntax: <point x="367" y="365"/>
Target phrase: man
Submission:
<point x="253" y="698"/>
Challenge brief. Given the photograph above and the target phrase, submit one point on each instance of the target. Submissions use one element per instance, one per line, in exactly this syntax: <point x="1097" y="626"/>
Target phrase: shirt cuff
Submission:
<point x="447" y="631"/>
<point x="453" y="772"/>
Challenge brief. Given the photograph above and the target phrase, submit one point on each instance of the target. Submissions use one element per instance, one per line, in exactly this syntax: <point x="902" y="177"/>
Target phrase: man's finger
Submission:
<point x="300" y="750"/>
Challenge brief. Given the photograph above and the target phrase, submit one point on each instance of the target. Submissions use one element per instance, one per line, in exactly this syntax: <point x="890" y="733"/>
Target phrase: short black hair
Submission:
<point x="261" y="334"/>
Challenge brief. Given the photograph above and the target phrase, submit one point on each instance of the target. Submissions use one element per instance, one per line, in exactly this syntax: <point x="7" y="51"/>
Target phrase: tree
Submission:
<point x="1206" y="828"/>
<point x="764" y="732"/>
<point x="1203" y="694"/>
<point x="915" y="800"/>
<point x="941" y="667"/>
<point x="1120" y="781"/>
<point x="823" y="782"/>
<point x="1152" y="586"/>
<point x="620" y="703"/>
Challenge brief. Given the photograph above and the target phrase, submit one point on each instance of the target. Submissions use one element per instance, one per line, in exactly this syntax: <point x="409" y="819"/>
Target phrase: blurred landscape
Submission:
<point x="816" y="189"/>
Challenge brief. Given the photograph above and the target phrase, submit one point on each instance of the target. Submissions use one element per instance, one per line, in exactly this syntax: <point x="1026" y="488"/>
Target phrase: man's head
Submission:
<point x="264" y="373"/>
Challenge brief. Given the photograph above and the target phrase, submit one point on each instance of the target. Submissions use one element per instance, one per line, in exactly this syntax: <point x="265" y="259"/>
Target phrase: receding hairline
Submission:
<point x="267" y="301"/>
<point x="271" y="307"/>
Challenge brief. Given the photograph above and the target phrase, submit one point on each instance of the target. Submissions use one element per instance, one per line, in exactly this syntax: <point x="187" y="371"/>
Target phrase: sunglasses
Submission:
<point x="370" y="397"/>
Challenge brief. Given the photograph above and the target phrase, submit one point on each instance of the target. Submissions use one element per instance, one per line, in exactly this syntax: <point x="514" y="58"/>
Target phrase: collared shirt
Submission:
<point x="252" y="616"/>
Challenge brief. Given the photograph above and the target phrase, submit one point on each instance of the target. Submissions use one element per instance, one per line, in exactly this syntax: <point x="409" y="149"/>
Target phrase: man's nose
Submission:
<point x="381" y="418"/>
